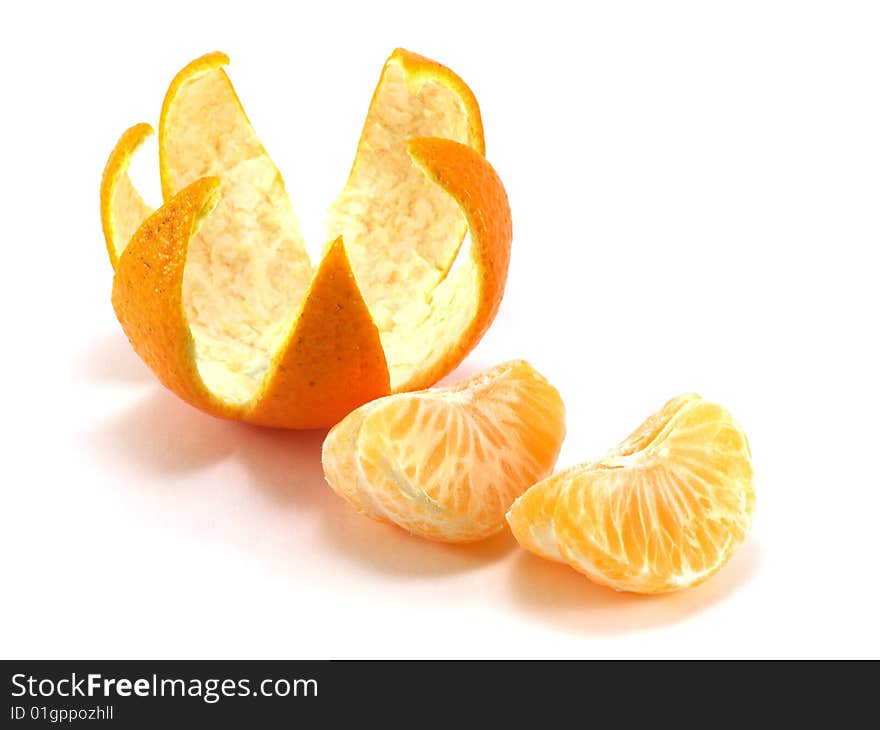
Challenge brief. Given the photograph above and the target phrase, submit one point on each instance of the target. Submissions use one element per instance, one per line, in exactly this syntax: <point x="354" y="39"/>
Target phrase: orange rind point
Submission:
<point x="419" y="68"/>
<point x="333" y="358"/>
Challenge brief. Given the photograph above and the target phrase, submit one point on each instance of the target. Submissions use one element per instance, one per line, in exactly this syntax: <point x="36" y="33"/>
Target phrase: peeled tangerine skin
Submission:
<point x="214" y="289"/>
<point x="147" y="297"/>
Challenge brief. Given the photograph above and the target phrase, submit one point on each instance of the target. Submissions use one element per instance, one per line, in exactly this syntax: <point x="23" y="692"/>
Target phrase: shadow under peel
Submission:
<point x="161" y="438"/>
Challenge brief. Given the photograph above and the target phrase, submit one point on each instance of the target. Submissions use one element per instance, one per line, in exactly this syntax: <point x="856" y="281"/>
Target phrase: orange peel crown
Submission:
<point x="217" y="294"/>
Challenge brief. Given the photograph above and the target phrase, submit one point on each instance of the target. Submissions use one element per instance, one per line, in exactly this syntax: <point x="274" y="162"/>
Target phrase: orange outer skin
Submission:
<point x="466" y="175"/>
<point x="208" y="62"/>
<point x="115" y="169"/>
<point x="331" y="361"/>
<point x="148" y="297"/>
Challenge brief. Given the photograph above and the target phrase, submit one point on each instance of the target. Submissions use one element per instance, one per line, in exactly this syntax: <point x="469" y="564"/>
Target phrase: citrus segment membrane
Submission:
<point x="663" y="511"/>
<point x="446" y="463"/>
<point x="531" y="519"/>
<point x="247" y="280"/>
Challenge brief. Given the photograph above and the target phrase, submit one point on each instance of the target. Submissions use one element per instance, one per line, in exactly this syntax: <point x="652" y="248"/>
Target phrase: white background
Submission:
<point x="696" y="199"/>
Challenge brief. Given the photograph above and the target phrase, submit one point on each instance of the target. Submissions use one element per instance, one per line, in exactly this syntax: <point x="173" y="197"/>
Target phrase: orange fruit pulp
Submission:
<point x="446" y="463"/>
<point x="664" y="510"/>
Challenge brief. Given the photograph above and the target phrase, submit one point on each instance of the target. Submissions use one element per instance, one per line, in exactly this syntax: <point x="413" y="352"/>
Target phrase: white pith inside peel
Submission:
<point x="247" y="270"/>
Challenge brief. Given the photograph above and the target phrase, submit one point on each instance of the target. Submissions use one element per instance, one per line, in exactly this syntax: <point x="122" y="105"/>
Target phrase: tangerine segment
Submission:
<point x="122" y="208"/>
<point x="663" y="511"/>
<point x="446" y="463"/>
<point x="531" y="519"/>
